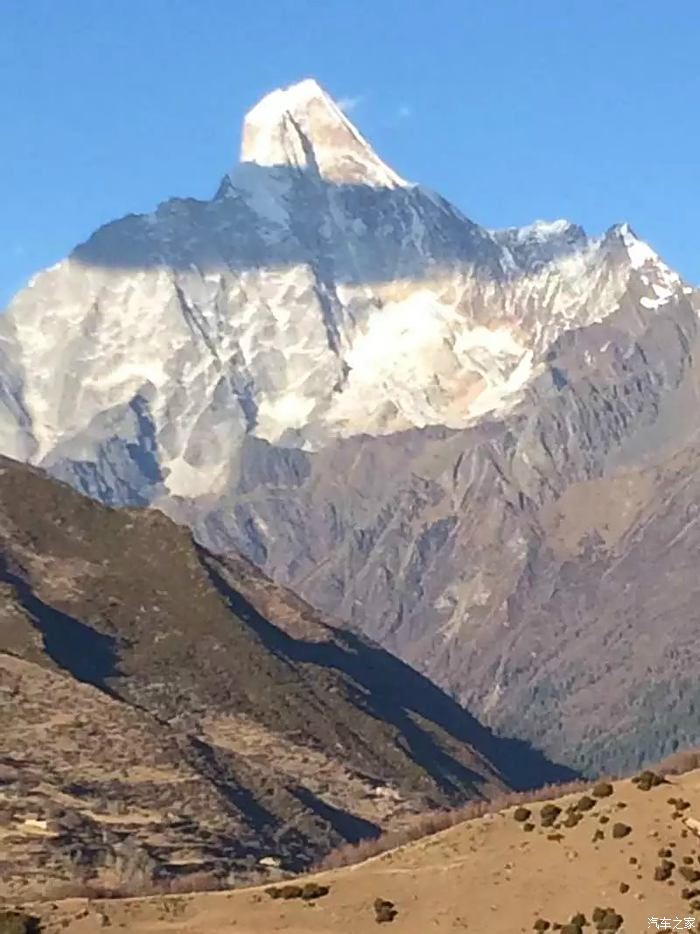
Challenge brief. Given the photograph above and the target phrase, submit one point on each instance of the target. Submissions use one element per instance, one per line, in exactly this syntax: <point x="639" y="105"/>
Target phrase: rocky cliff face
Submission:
<point x="381" y="403"/>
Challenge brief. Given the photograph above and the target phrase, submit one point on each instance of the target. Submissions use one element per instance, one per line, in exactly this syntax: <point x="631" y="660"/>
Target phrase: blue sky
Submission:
<point x="513" y="109"/>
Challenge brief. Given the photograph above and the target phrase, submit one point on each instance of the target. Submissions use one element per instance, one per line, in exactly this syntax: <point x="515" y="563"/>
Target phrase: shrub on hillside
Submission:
<point x="647" y="780"/>
<point x="663" y="871"/>
<point x="313" y="890"/>
<point x="610" y="921"/>
<point x="424" y="825"/>
<point x="17" y="922"/>
<point x="680" y="762"/>
<point x="549" y="814"/>
<point x="384" y="911"/>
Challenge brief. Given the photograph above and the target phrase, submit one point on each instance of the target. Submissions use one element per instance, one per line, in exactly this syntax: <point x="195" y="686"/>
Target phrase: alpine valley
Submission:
<point x="477" y="447"/>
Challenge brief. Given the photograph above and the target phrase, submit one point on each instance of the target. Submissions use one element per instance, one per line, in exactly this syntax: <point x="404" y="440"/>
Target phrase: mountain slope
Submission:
<point x="631" y="852"/>
<point x="332" y="371"/>
<point x="162" y="696"/>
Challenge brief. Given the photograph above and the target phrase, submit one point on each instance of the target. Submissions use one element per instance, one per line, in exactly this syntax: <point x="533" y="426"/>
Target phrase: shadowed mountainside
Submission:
<point x="159" y="696"/>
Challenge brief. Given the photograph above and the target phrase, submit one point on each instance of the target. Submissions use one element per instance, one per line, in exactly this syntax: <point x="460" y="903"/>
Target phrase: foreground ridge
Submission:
<point x="600" y="857"/>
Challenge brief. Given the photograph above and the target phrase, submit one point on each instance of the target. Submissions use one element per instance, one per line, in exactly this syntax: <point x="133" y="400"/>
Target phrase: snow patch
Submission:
<point x="282" y="126"/>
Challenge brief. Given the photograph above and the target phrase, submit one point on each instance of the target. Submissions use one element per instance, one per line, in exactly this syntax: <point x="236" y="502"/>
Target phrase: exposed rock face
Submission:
<point x="381" y="403"/>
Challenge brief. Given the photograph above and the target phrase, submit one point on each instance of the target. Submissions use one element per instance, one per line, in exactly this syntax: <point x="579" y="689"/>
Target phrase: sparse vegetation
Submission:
<point x="609" y="921"/>
<point x="384" y="911"/>
<point x="312" y="891"/>
<point x="647" y="780"/>
<point x="17" y="922"/>
<point x="680" y="762"/>
<point x="433" y="822"/>
<point x="663" y="871"/>
<point x="549" y="813"/>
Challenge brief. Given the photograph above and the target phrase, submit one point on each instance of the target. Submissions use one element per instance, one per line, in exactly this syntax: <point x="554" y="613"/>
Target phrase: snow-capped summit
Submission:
<point x="302" y="126"/>
<point x="540" y="242"/>
<point x="317" y="296"/>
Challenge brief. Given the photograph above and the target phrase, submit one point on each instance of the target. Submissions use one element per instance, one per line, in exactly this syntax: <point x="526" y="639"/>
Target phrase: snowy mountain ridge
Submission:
<point x="318" y="295"/>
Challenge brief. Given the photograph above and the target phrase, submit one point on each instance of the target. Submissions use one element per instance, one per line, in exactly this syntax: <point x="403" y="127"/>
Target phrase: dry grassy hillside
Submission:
<point x="613" y="857"/>
<point x="165" y="713"/>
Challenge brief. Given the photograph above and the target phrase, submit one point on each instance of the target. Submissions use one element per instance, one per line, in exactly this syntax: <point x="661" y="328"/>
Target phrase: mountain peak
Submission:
<point x="301" y="126"/>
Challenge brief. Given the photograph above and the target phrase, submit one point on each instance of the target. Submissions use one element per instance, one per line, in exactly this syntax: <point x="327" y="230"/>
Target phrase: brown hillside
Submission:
<point x="617" y="860"/>
<point x="159" y="699"/>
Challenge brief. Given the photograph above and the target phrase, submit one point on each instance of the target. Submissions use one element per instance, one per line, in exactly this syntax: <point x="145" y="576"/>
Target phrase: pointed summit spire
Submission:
<point x="303" y="127"/>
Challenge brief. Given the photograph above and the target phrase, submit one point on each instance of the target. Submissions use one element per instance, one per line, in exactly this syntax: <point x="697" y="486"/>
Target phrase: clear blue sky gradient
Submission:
<point x="513" y="109"/>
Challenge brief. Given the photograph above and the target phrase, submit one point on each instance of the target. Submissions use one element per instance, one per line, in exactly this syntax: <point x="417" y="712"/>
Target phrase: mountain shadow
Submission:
<point x="397" y="693"/>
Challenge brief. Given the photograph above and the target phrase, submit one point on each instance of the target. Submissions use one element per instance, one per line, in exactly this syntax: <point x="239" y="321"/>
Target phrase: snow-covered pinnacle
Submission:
<point x="638" y="251"/>
<point x="301" y="126"/>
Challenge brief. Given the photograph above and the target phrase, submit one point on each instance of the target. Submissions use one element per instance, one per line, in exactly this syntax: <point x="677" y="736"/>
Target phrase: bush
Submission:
<point x="291" y="891"/>
<point x="521" y="814"/>
<point x="624" y="888"/>
<point x="549" y="814"/>
<point x="288" y="891"/>
<point x="602" y="790"/>
<point x="611" y="921"/>
<point x="313" y="890"/>
<point x="541" y="925"/>
<point x="647" y="780"/>
<point x="663" y="871"/>
<point x="680" y="762"/>
<point x="690" y="875"/>
<point x="17" y="922"/>
<point x="550" y="810"/>
<point x="621" y="830"/>
<point x="384" y="911"/>
<point x="585" y="803"/>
